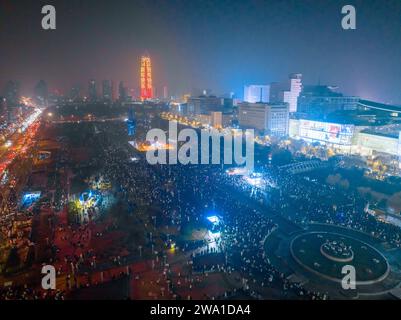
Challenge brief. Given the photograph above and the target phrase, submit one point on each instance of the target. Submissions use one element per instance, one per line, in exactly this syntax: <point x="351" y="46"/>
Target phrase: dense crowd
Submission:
<point x="185" y="195"/>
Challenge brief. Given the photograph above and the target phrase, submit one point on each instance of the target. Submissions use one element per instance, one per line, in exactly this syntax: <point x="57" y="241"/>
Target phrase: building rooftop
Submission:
<point x="320" y="91"/>
<point x="379" y="106"/>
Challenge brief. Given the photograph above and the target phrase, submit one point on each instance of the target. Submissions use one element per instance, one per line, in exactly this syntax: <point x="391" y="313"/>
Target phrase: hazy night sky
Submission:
<point x="220" y="44"/>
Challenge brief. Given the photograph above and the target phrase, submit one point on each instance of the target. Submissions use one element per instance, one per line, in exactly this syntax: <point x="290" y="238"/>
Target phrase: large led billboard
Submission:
<point x="326" y="132"/>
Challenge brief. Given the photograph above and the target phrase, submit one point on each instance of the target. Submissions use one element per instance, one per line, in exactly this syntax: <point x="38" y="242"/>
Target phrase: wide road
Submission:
<point x="20" y="143"/>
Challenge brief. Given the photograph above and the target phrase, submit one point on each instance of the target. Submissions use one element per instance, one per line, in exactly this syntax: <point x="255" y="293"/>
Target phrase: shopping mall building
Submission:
<point x="348" y="138"/>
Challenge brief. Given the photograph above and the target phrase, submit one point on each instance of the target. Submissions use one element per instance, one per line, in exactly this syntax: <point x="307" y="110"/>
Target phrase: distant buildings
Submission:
<point x="12" y="93"/>
<point x="323" y="100"/>
<point x="10" y="104"/>
<point x="256" y="93"/>
<point x="107" y="86"/>
<point x="208" y="110"/>
<point x="203" y="105"/>
<point x="287" y="92"/>
<point x="75" y="93"/>
<point x="41" y="93"/>
<point x="269" y="119"/>
<point x="122" y="92"/>
<point x="92" y="91"/>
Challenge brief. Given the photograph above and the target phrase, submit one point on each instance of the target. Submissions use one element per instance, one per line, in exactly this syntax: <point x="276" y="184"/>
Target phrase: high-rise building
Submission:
<point x="277" y="92"/>
<point x="278" y="118"/>
<point x="122" y="92"/>
<point x="92" y="92"/>
<point x="287" y="92"/>
<point x="75" y="93"/>
<point x="107" y="90"/>
<point x="41" y="93"/>
<point x="269" y="118"/>
<point x="146" y="78"/>
<point x="12" y="93"/>
<point x="256" y="93"/>
<point x="295" y="88"/>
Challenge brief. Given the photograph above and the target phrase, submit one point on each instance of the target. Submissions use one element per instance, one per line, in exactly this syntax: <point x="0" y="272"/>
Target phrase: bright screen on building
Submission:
<point x="327" y="132"/>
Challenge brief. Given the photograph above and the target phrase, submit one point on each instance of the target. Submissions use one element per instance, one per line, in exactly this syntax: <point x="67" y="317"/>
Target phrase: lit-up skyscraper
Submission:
<point x="146" y="78"/>
<point x="295" y="85"/>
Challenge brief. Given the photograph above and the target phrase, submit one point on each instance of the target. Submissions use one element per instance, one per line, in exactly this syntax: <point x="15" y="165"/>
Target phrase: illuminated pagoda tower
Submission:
<point x="146" y="78"/>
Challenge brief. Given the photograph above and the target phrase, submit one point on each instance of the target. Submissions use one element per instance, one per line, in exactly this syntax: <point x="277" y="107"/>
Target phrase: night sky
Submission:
<point x="220" y="44"/>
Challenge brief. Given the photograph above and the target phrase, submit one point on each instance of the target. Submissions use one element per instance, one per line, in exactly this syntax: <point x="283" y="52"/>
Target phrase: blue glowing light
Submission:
<point x="214" y="220"/>
<point x="29" y="198"/>
<point x="90" y="198"/>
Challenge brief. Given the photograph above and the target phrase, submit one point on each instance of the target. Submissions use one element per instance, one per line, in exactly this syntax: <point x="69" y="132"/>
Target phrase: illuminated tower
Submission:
<point x="146" y="78"/>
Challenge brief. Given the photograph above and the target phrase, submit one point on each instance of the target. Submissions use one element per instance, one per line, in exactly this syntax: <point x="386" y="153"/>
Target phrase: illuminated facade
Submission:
<point x="267" y="118"/>
<point x="256" y="93"/>
<point x="347" y="138"/>
<point x="146" y="78"/>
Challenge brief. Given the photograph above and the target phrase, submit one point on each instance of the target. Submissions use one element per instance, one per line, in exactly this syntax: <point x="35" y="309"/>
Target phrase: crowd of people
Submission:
<point x="181" y="197"/>
<point x="305" y="201"/>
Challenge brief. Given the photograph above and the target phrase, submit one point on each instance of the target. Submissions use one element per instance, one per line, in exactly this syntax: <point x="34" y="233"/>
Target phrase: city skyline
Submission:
<point x="276" y="39"/>
<point x="221" y="152"/>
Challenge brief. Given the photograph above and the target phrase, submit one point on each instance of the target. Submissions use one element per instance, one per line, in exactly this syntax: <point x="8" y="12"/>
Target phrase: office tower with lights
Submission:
<point x="272" y="119"/>
<point x="295" y="88"/>
<point x="146" y="78"/>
